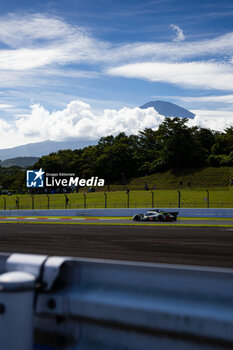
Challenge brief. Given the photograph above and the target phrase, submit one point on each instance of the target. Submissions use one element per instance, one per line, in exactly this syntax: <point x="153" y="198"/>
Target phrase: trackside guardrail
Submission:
<point x="183" y="212"/>
<point x="84" y="304"/>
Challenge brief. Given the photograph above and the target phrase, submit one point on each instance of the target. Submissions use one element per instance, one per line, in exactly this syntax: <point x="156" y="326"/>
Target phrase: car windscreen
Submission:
<point x="149" y="213"/>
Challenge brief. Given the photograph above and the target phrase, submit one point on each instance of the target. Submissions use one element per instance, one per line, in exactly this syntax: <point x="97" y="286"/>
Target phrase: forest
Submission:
<point x="174" y="145"/>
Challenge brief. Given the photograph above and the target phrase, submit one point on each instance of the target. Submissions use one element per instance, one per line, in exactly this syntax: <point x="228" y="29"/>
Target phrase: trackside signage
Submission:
<point x="38" y="178"/>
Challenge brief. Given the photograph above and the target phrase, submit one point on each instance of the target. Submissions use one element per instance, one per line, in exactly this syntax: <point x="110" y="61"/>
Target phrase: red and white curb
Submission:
<point x="47" y="218"/>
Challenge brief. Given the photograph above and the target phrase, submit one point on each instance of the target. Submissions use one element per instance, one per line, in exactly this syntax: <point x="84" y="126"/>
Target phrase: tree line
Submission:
<point x="173" y="145"/>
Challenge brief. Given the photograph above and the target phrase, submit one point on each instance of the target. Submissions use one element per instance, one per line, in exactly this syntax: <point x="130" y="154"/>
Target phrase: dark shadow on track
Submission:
<point x="176" y="245"/>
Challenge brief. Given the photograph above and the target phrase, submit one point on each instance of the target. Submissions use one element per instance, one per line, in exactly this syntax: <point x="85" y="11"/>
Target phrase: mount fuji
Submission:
<point x="39" y="149"/>
<point x="169" y="109"/>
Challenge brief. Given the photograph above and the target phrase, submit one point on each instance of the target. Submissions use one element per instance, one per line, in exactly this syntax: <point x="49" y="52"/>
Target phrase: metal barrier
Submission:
<point x="183" y="212"/>
<point x="83" y="304"/>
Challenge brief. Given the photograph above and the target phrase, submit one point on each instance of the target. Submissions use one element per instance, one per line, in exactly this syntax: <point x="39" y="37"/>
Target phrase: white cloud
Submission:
<point x="39" y="50"/>
<point x="174" y="51"/>
<point x="38" y="40"/>
<point x="212" y="113"/>
<point x="24" y="59"/>
<point x="179" y="32"/>
<point x="77" y="120"/>
<point x="207" y="75"/>
<point x="17" y="31"/>
<point x="220" y="98"/>
<point x="5" y="106"/>
<point x="4" y="126"/>
<point x="214" y="120"/>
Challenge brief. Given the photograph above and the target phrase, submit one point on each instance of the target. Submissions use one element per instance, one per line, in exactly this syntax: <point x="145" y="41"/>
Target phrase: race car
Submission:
<point x="156" y="215"/>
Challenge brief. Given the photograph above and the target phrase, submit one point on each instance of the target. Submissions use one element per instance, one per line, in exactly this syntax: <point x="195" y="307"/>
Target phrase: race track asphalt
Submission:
<point x="209" y="246"/>
<point x="122" y="221"/>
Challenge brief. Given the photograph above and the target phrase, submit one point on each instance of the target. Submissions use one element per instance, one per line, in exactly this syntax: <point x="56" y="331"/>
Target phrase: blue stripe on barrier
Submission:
<point x="183" y="212"/>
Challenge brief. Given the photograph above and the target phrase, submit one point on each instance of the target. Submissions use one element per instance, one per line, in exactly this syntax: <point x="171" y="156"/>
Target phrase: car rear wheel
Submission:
<point x="137" y="218"/>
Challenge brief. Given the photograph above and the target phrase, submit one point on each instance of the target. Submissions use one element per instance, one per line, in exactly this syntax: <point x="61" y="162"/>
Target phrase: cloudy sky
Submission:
<point x="80" y="68"/>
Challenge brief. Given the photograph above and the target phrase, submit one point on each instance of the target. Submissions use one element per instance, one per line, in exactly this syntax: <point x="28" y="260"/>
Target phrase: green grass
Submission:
<point x="216" y="180"/>
<point x="114" y="224"/>
<point x="208" y="177"/>
<point x="190" y="198"/>
<point x="200" y="178"/>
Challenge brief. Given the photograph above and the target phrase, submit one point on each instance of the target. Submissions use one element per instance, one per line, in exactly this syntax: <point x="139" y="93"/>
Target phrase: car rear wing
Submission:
<point x="175" y="213"/>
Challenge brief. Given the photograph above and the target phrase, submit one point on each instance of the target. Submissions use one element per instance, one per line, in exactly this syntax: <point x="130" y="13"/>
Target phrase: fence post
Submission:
<point x="127" y="199"/>
<point x="48" y="201"/>
<point x="152" y="199"/>
<point x="208" y="199"/>
<point x="122" y="180"/>
<point x="4" y="203"/>
<point x="32" y="202"/>
<point x="17" y="202"/>
<point x="178" y="199"/>
<point x="84" y="201"/>
<point x="105" y="200"/>
<point x="66" y="201"/>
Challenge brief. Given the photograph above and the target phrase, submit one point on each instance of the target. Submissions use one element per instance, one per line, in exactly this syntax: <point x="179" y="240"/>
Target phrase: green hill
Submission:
<point x="198" y="177"/>
<point x="22" y="162"/>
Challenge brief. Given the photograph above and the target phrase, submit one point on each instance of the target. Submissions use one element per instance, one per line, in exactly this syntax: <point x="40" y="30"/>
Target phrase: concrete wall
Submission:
<point x="183" y="212"/>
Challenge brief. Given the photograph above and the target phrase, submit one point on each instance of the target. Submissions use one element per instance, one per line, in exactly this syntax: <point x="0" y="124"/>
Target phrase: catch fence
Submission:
<point x="121" y="199"/>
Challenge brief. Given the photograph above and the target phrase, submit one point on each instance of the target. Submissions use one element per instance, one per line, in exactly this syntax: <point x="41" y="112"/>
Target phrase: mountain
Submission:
<point x="22" y="162"/>
<point x="39" y="149"/>
<point x="169" y="109"/>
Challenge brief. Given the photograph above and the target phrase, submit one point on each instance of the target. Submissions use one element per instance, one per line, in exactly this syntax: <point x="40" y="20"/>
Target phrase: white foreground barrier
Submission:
<point x="84" y="304"/>
<point x="16" y="310"/>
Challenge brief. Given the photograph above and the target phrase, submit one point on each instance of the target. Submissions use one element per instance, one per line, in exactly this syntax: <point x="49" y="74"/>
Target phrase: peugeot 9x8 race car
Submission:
<point x="156" y="215"/>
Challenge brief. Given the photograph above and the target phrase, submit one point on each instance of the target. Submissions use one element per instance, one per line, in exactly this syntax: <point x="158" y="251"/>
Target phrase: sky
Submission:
<point x="81" y="68"/>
